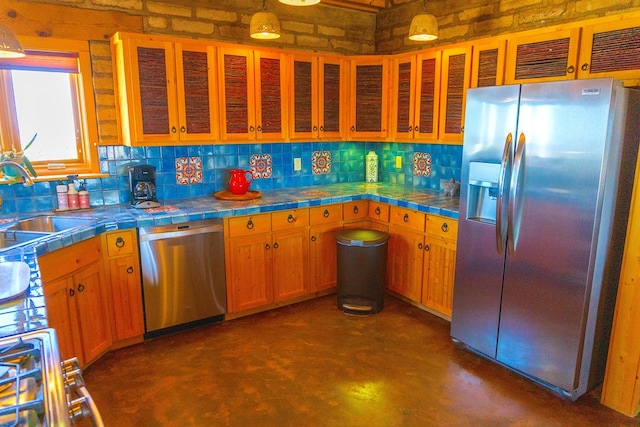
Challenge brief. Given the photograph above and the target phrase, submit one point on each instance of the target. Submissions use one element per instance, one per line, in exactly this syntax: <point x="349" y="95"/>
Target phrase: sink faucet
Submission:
<point x="26" y="178"/>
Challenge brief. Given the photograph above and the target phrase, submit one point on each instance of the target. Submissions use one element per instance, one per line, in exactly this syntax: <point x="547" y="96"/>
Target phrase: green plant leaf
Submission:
<point x="30" y="142"/>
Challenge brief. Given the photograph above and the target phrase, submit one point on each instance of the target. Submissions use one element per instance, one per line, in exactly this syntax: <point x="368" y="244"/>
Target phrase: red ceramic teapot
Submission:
<point x="238" y="183"/>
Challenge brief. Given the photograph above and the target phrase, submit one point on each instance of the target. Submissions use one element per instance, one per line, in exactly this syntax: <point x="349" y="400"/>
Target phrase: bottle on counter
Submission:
<point x="83" y="196"/>
<point x="61" y="193"/>
<point x="72" y="197"/>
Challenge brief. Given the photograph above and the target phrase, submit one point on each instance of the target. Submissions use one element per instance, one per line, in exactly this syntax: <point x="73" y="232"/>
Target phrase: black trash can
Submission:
<point x="362" y="261"/>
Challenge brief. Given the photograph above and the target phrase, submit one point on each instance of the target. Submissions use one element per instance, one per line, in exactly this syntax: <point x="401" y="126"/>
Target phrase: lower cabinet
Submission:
<point x="405" y="254"/>
<point x="439" y="264"/>
<point x="76" y="299"/>
<point x="323" y="251"/>
<point x="123" y="276"/>
<point x="267" y="259"/>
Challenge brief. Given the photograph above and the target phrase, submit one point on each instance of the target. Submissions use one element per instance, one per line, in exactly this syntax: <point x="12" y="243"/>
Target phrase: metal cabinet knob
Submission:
<point x="378" y="210"/>
<point x="119" y="242"/>
<point x="291" y="219"/>
<point x="250" y="224"/>
<point x="355" y="209"/>
<point x="325" y="213"/>
<point x="406" y="218"/>
<point x="445" y="227"/>
<point x="130" y="269"/>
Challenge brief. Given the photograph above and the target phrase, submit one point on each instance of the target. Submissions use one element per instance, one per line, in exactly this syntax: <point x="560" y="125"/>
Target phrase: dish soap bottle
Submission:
<point x="72" y="193"/>
<point x="83" y="196"/>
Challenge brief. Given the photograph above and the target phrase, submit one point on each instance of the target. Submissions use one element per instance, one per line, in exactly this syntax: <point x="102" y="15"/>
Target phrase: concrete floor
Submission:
<point x="311" y="365"/>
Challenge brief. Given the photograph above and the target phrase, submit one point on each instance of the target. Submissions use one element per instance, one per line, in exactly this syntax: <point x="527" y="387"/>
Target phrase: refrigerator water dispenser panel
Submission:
<point x="483" y="191"/>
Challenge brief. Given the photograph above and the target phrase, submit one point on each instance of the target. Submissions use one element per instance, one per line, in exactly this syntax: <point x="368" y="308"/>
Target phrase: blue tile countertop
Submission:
<point x="115" y="217"/>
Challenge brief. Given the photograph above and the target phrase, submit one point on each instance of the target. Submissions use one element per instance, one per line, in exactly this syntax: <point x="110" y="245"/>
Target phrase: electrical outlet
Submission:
<point x="398" y="162"/>
<point x="297" y="164"/>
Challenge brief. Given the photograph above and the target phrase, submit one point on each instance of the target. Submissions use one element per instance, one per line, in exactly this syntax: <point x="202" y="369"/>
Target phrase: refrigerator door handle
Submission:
<point x="515" y="199"/>
<point x="501" y="202"/>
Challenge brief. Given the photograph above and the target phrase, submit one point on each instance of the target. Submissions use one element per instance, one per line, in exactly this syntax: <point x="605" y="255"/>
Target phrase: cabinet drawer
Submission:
<point x="325" y="214"/>
<point x="355" y="210"/>
<point x="379" y="211"/>
<point x="249" y="225"/>
<point x="440" y="226"/>
<point x="284" y="220"/>
<point x="408" y="218"/>
<point x="67" y="260"/>
<point x="120" y="243"/>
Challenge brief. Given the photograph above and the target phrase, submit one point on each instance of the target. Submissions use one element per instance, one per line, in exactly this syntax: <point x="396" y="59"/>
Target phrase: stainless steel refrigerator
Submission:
<point x="547" y="173"/>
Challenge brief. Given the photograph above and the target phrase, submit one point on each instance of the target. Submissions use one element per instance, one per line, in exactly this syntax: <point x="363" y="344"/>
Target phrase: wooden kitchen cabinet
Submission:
<point x="323" y="253"/>
<point x="318" y="93"/>
<point x="369" y="93"/>
<point x="439" y="264"/>
<point x="267" y="257"/>
<point x="123" y="277"/>
<point x="76" y="299"/>
<point x="542" y="56"/>
<point x="456" y="75"/>
<point x="488" y="61"/>
<point x="253" y="94"/>
<point x="166" y="89"/>
<point x="611" y="49"/>
<point x="415" y="101"/>
<point x="406" y="252"/>
<point x="356" y="214"/>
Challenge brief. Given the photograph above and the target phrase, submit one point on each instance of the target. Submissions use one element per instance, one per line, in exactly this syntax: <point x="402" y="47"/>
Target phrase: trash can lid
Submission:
<point x="360" y="237"/>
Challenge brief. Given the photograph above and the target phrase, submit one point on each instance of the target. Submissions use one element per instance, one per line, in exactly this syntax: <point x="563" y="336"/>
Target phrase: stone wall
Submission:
<point x="461" y="20"/>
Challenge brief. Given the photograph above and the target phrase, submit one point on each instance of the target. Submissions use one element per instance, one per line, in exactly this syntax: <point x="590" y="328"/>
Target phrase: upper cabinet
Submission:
<point x="611" y="49"/>
<point x="253" y="94"/>
<point x="548" y="56"/>
<point x="456" y="74"/>
<point x="415" y="99"/>
<point x="369" y="97"/>
<point x="487" y="62"/>
<point x="166" y="90"/>
<point x="317" y="97"/>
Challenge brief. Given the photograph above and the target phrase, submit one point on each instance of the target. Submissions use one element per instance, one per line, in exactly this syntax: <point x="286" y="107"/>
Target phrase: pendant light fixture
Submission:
<point x="9" y="44"/>
<point x="424" y="26"/>
<point x="264" y="25"/>
<point x="300" y="2"/>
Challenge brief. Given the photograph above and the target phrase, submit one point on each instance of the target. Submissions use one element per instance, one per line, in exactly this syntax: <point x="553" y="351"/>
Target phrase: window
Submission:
<point x="49" y="93"/>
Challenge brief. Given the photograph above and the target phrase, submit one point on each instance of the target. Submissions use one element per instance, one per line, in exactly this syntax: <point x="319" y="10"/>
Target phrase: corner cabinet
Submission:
<point x="456" y="72"/>
<point x="317" y="97"/>
<point x="368" y="116"/>
<point x="77" y="301"/>
<point x="538" y="57"/>
<point x="611" y="49"/>
<point x="253" y="94"/>
<point x="166" y="90"/>
<point x="415" y="97"/>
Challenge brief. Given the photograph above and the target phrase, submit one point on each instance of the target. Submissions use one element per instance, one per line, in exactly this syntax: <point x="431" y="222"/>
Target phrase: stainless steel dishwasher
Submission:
<point x="183" y="275"/>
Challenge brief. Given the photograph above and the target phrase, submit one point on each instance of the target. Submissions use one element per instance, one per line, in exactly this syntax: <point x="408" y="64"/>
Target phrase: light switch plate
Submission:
<point x="297" y="164"/>
<point x="398" y="162"/>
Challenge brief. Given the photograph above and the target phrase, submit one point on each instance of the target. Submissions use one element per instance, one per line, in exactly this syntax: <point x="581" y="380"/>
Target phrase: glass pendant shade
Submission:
<point x="300" y="2"/>
<point x="424" y="27"/>
<point x="9" y="44"/>
<point x="264" y="25"/>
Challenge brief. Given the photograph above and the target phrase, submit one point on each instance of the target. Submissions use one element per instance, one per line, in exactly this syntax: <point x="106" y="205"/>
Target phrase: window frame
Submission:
<point x="88" y="162"/>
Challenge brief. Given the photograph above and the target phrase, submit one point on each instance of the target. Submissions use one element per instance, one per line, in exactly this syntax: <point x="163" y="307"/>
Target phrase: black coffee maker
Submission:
<point x="142" y="183"/>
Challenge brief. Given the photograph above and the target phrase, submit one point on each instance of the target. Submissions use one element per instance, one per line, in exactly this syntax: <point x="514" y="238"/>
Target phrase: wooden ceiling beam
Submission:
<point x="372" y="6"/>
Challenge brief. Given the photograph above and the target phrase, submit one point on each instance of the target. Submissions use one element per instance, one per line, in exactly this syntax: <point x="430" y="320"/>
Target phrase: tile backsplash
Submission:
<point x="201" y="170"/>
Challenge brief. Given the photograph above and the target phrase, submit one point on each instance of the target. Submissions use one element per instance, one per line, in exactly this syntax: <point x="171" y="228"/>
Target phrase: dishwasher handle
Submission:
<point x="148" y="236"/>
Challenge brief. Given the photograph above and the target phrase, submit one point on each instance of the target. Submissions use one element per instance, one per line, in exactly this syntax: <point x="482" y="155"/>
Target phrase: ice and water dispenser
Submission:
<point x="483" y="191"/>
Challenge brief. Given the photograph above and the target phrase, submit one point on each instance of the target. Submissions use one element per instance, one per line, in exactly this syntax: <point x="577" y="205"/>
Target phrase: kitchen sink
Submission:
<point x="50" y="223"/>
<point x="11" y="238"/>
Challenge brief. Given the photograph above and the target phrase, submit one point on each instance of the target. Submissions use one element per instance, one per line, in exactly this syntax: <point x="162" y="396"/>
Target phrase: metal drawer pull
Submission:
<point x="419" y="245"/>
<point x="291" y="219"/>
<point x="267" y="246"/>
<point x="378" y="210"/>
<point x="325" y="213"/>
<point x="130" y="269"/>
<point x="427" y="247"/>
<point x="355" y="209"/>
<point x="80" y="287"/>
<point x="445" y="227"/>
<point x="406" y="218"/>
<point x="119" y="242"/>
<point x="313" y="238"/>
<point x="250" y="224"/>
<point x="275" y="245"/>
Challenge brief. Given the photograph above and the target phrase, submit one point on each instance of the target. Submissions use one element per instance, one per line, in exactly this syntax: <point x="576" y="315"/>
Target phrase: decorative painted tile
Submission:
<point x="188" y="170"/>
<point x="422" y="164"/>
<point x="261" y="165"/>
<point x="321" y="162"/>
